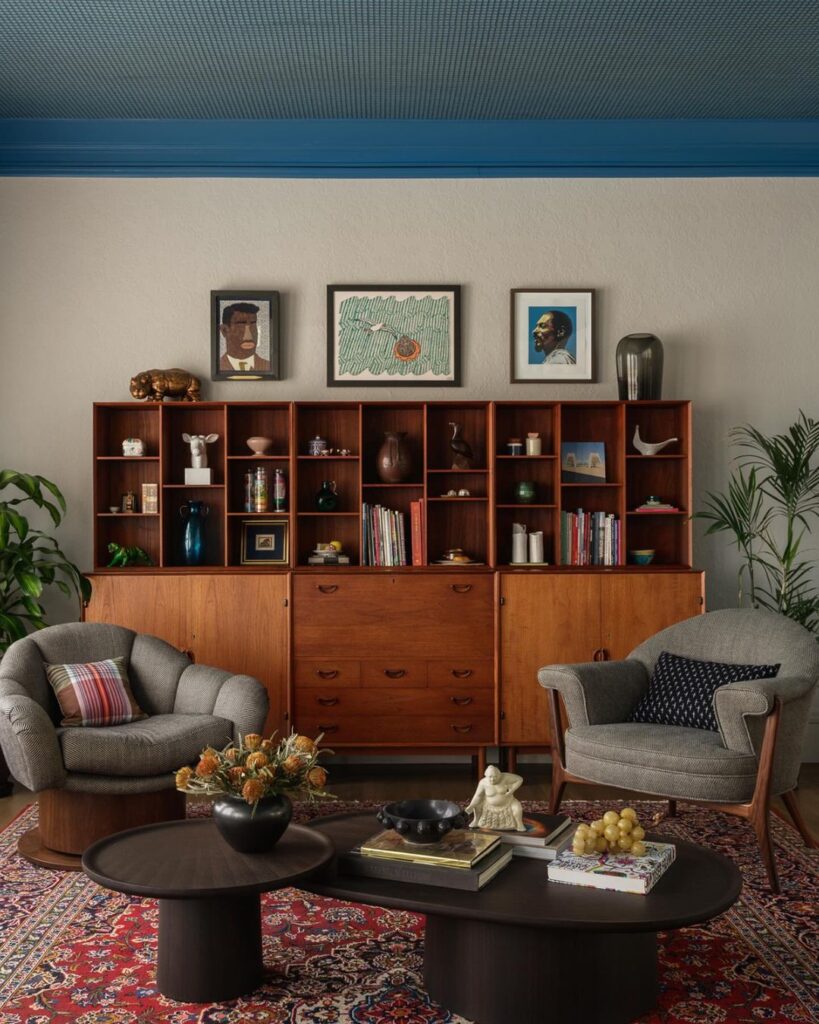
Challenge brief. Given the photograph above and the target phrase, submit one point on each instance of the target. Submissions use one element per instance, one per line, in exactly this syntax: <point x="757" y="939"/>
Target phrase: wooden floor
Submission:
<point x="393" y="782"/>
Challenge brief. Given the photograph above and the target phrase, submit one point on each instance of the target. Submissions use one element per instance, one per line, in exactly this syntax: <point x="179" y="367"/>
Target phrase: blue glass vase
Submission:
<point x="193" y="545"/>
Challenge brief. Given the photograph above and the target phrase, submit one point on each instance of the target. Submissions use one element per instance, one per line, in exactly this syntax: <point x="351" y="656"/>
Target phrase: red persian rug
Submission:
<point x="71" y="951"/>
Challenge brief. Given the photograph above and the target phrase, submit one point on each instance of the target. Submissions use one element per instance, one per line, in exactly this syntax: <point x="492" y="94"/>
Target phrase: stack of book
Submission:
<point x="589" y="538"/>
<point x="656" y="506"/>
<point x="545" y="837"/>
<point x="385" y="541"/>
<point x="622" y="872"/>
<point x="461" y="860"/>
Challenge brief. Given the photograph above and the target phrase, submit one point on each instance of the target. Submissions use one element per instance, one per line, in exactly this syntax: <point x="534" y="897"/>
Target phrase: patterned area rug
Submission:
<point x="71" y="951"/>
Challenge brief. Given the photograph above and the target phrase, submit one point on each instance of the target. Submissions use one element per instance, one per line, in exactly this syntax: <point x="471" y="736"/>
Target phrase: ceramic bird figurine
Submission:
<point x="644" y="448"/>
<point x="462" y="454"/>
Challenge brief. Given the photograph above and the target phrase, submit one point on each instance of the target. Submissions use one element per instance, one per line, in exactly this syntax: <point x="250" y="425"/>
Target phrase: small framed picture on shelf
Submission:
<point x="582" y="462"/>
<point x="244" y="329"/>
<point x="388" y="335"/>
<point x="552" y="335"/>
<point x="265" y="542"/>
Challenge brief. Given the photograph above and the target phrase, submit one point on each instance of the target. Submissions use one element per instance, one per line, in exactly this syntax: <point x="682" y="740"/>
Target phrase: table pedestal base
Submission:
<point x="497" y="973"/>
<point x="209" y="949"/>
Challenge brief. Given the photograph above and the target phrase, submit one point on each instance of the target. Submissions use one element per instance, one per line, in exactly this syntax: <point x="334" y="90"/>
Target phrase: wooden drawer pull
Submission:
<point x="327" y="702"/>
<point x="599" y="654"/>
<point x="188" y="653"/>
<point x="326" y="673"/>
<point x="327" y="588"/>
<point x="462" y="673"/>
<point x="461" y="701"/>
<point x="461" y="588"/>
<point x="461" y="728"/>
<point x="395" y="673"/>
<point x="328" y="728"/>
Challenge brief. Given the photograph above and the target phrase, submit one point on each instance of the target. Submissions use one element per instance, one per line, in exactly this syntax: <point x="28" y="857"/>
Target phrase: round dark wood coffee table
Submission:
<point x="210" y="933"/>
<point x="524" y="949"/>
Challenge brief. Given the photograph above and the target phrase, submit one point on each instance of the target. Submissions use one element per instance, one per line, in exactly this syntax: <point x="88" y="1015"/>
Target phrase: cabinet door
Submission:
<point x="635" y="606"/>
<point x="545" y="619"/>
<point x="240" y="623"/>
<point x="146" y="603"/>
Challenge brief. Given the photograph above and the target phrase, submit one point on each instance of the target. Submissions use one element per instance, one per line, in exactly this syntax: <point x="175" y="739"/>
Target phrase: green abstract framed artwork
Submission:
<point x="388" y="335"/>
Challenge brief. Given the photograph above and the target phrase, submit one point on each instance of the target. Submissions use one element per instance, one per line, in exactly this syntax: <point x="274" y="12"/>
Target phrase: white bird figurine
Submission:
<point x="644" y="448"/>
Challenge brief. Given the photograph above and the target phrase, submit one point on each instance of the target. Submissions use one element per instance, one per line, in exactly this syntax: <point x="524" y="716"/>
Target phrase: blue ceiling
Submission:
<point x="409" y="59"/>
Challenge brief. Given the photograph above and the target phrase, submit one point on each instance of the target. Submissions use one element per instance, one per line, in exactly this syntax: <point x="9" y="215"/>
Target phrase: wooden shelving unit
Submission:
<point x="480" y="523"/>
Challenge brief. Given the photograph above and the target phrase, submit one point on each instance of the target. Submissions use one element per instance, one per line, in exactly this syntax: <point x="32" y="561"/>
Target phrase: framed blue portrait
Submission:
<point x="552" y="335"/>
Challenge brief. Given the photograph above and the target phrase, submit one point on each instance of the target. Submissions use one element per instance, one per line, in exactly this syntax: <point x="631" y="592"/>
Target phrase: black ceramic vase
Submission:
<point x="250" y="832"/>
<point x="639" y="361"/>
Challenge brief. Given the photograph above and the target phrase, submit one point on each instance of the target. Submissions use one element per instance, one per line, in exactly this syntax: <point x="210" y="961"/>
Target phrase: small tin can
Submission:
<point x="514" y="446"/>
<point x="317" y="446"/>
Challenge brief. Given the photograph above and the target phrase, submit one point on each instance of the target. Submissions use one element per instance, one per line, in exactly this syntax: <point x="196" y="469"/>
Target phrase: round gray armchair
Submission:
<point x="93" y="781"/>
<point x="754" y="754"/>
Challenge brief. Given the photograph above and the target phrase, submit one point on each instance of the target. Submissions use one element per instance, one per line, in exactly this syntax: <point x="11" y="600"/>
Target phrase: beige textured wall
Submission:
<point x="101" y="278"/>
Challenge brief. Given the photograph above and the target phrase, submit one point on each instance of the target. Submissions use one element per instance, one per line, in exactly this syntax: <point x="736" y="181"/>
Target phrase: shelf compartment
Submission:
<point x="236" y="470"/>
<point x="668" y="535"/>
<point x="588" y="422"/>
<point x="337" y="423"/>
<point x="234" y="541"/>
<point x="264" y="419"/>
<point x="191" y="418"/>
<point x="666" y="479"/>
<point x="511" y="472"/>
<point x="112" y="424"/>
<point x="313" y="473"/>
<point x="315" y="529"/>
<point x="213" y="527"/>
<point x="457" y="525"/>
<point x="457" y="480"/>
<point x="658" y="421"/>
<point x="533" y="518"/>
<point x="520" y="418"/>
<point x="376" y="420"/>
<point x="473" y="419"/>
<point x="129" y="530"/>
<point x="116" y="477"/>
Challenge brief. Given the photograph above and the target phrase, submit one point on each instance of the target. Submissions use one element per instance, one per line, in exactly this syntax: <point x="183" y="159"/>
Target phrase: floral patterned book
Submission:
<point x="621" y="872"/>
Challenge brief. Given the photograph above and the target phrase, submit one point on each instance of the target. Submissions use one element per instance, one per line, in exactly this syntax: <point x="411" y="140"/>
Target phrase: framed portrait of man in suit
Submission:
<point x="244" y="335"/>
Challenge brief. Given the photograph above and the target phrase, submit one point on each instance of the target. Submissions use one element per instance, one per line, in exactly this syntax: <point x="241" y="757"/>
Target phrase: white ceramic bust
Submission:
<point x="199" y="449"/>
<point x="494" y="804"/>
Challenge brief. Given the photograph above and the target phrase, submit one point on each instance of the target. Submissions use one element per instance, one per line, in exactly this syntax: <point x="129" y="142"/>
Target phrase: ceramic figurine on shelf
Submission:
<point x="198" y="472"/>
<point x="157" y="385"/>
<point x="494" y="804"/>
<point x="645" y="448"/>
<point x="462" y="454"/>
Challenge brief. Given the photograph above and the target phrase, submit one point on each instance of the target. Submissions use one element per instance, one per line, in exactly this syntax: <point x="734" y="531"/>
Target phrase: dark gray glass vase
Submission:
<point x="640" y="367"/>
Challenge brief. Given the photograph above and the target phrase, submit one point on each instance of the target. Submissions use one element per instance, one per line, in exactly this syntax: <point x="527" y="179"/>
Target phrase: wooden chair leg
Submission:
<point x="763" y="835"/>
<point x="791" y="802"/>
<point x="558" y="757"/>
<point x="672" y="808"/>
<point x="760" y="802"/>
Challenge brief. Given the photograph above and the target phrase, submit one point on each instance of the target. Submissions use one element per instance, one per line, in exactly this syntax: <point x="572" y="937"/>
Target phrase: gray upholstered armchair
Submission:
<point x="756" y="753"/>
<point x="95" y="781"/>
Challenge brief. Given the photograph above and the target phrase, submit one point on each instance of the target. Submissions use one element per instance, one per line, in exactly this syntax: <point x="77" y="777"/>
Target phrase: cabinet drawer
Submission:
<point x="463" y="672"/>
<point x="409" y="616"/>
<point x="376" y="730"/>
<point x="326" y="673"/>
<point x="413" y="703"/>
<point x="394" y="672"/>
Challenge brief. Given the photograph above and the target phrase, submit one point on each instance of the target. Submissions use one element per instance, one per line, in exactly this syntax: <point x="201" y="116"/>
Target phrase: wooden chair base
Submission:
<point x="70" y="822"/>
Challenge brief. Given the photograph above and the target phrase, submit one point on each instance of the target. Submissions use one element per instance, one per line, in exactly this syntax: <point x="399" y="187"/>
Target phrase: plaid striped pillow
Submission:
<point x="97" y="693"/>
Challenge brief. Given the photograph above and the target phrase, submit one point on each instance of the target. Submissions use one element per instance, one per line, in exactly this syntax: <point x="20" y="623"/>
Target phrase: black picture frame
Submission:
<point x="254" y="553"/>
<point x="267" y="329"/>
<point x="384" y="299"/>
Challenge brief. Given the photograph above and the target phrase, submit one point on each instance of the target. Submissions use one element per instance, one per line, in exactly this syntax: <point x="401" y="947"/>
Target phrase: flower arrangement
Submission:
<point x="256" y="767"/>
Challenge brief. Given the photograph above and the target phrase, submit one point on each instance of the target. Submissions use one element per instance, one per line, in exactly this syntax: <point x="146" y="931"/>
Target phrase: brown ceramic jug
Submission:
<point x="394" y="463"/>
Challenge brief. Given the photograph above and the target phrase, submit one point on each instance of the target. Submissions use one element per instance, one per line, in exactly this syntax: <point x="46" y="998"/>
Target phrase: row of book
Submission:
<point x="590" y="538"/>
<point x="385" y="535"/>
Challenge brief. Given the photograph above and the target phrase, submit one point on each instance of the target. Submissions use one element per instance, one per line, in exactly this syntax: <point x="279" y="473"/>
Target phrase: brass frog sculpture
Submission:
<point x="156" y="385"/>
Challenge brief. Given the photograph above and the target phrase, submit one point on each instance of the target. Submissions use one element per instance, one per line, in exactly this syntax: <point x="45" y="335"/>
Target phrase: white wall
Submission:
<point x="102" y="278"/>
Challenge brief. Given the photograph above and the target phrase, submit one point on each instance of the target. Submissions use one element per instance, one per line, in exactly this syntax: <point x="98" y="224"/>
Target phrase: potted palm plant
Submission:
<point x="30" y="559"/>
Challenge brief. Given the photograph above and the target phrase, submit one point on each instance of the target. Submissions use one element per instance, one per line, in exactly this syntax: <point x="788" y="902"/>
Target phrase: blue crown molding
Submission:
<point x="408" y="149"/>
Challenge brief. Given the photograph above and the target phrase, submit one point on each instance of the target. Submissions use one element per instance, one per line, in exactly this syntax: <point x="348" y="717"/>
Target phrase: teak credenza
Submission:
<point x="423" y="658"/>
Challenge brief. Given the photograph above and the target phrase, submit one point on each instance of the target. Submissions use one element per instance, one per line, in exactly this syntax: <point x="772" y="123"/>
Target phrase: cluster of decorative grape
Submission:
<point x="615" y="832"/>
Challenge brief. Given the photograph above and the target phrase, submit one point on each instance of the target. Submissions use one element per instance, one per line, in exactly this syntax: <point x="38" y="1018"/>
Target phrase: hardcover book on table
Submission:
<point x="459" y="849"/>
<point x="548" y="852"/>
<point x="621" y="872"/>
<point x="541" y="829"/>
<point x="401" y="870"/>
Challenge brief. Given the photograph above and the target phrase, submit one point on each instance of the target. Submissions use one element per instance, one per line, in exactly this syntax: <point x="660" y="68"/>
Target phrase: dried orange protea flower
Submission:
<point x="304" y="745"/>
<point x="267" y="746"/>
<point x="253" y="790"/>
<point x="232" y="754"/>
<point x="183" y="777"/>
<point x="257" y="760"/>
<point x="236" y="774"/>
<point x="317" y="777"/>
<point x="253" y="741"/>
<point x="293" y="764"/>
<point x="206" y="767"/>
<point x="209" y="752"/>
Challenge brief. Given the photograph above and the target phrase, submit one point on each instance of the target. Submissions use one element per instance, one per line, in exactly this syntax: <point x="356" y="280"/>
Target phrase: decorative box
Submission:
<point x="150" y="498"/>
<point x="133" y="446"/>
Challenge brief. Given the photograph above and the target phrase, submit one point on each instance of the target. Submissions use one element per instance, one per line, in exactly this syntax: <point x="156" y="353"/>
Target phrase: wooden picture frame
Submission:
<point x="248" y="319"/>
<point x="265" y="541"/>
<point x="393" y="335"/>
<point x="552" y="336"/>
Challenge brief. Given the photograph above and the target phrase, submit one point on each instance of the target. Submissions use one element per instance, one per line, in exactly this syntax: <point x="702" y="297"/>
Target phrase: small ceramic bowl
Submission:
<point x="113" y="508"/>
<point x="259" y="445"/>
<point x="423" y="821"/>
<point x="642" y="556"/>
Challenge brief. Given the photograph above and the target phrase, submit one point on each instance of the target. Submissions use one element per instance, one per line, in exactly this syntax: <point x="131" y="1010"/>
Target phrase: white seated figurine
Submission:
<point x="494" y="804"/>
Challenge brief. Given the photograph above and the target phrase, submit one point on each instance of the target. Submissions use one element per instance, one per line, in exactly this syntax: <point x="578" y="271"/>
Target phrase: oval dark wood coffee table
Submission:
<point x="210" y="934"/>
<point x="524" y="949"/>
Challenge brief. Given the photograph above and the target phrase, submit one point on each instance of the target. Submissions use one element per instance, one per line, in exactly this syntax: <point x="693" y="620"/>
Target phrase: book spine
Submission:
<point x="415" y="531"/>
<point x="365" y="553"/>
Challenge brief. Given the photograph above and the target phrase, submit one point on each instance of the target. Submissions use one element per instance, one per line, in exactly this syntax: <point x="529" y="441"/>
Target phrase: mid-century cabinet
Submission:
<point x="422" y="657"/>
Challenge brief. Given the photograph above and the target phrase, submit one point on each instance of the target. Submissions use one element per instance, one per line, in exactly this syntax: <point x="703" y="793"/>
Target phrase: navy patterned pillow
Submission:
<point x="681" y="691"/>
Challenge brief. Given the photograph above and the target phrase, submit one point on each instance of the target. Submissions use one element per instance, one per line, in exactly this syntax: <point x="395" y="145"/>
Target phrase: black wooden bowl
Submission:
<point x="422" y="821"/>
